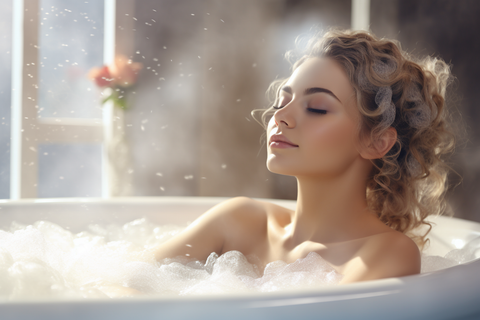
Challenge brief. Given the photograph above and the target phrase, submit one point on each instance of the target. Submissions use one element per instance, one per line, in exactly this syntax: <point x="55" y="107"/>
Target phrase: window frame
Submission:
<point x="27" y="129"/>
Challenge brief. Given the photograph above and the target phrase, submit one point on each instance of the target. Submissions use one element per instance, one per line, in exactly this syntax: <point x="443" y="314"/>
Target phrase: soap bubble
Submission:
<point x="44" y="260"/>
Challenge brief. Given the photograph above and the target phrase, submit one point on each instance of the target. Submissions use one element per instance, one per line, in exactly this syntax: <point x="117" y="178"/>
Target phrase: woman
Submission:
<point x="363" y="128"/>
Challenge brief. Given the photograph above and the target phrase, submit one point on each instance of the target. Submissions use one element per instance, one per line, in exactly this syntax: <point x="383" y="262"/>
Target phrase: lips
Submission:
<point x="280" y="141"/>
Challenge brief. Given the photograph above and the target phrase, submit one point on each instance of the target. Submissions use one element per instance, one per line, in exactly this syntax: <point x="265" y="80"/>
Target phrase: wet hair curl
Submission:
<point x="393" y="89"/>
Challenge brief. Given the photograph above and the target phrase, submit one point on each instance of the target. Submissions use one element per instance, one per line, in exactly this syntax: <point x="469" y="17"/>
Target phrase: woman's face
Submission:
<point x="314" y="133"/>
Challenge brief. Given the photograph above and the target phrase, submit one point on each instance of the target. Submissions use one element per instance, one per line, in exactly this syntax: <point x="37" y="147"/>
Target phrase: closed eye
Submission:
<point x="321" y="111"/>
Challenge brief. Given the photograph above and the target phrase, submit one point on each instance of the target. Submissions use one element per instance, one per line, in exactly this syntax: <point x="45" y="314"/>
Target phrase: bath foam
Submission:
<point x="44" y="260"/>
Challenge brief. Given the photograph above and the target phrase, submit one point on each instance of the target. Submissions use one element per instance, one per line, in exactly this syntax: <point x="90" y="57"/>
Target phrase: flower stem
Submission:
<point x="118" y="99"/>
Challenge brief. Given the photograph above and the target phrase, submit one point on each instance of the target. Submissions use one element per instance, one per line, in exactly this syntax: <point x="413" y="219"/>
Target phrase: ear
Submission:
<point x="377" y="149"/>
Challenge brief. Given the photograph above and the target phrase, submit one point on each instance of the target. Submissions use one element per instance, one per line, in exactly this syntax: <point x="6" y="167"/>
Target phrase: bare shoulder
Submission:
<point x="386" y="255"/>
<point x="214" y="230"/>
<point x="246" y="223"/>
<point x="399" y="251"/>
<point x="239" y="213"/>
<point x="248" y="212"/>
<point x="242" y="208"/>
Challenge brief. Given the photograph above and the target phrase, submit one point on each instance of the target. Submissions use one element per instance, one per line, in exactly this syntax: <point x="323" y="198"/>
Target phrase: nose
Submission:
<point x="285" y="116"/>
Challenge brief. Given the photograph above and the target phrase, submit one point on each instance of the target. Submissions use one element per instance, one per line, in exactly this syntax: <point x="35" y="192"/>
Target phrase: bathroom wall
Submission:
<point x="211" y="69"/>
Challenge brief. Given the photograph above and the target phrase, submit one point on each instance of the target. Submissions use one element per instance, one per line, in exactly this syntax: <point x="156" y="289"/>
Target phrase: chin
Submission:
<point x="280" y="169"/>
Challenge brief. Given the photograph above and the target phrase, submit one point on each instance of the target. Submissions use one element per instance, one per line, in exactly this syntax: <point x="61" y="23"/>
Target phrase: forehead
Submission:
<point x="324" y="73"/>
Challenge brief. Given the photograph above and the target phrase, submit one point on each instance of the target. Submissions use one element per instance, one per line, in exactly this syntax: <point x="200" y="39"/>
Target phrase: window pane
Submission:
<point x="69" y="170"/>
<point x="5" y="95"/>
<point x="71" y="42"/>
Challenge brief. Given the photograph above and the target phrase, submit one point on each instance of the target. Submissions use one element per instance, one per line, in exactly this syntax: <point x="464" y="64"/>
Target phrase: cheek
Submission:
<point x="334" y="142"/>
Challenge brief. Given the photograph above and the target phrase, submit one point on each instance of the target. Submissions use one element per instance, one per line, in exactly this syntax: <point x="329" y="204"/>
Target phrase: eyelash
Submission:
<point x="320" y="111"/>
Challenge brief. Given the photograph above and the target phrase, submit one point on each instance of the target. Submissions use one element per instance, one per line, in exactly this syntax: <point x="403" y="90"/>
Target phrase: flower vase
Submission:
<point x="116" y="151"/>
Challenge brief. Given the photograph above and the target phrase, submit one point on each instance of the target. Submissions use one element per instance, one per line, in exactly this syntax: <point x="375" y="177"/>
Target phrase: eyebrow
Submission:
<point x="313" y="90"/>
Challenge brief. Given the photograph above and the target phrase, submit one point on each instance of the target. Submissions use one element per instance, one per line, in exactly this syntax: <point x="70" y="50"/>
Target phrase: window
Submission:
<point x="56" y="126"/>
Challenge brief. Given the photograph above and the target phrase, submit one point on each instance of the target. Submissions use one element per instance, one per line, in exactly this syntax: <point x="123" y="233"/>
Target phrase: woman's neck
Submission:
<point x="331" y="209"/>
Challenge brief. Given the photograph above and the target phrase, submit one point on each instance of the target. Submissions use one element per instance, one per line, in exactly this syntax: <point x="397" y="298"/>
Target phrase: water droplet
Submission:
<point x="189" y="177"/>
<point x="159" y="174"/>
<point x="238" y="100"/>
<point x="254" y="65"/>
<point x="224" y="166"/>
<point x="162" y="188"/>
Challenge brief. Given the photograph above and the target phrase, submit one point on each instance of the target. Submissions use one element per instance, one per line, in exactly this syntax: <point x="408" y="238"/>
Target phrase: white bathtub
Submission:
<point x="452" y="293"/>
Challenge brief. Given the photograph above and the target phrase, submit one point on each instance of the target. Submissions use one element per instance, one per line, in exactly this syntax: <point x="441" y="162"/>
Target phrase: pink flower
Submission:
<point x="101" y="77"/>
<point x="122" y="73"/>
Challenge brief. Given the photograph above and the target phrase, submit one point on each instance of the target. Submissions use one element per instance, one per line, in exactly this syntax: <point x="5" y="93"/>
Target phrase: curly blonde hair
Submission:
<point x="394" y="90"/>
